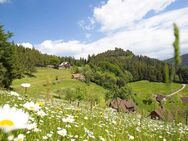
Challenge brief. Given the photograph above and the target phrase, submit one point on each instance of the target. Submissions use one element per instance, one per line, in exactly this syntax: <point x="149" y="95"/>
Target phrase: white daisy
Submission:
<point x="14" y="93"/>
<point x="20" y="137"/>
<point x="10" y="138"/>
<point x="130" y="137"/>
<point x="41" y="113"/>
<point x="32" y="126"/>
<point x="26" y="85"/>
<point x="68" y="119"/>
<point x="31" y="106"/>
<point x="12" y="118"/>
<point x="44" y="137"/>
<point x="62" y="132"/>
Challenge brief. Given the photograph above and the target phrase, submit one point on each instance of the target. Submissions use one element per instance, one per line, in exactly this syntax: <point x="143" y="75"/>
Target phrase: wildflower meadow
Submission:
<point x="22" y="118"/>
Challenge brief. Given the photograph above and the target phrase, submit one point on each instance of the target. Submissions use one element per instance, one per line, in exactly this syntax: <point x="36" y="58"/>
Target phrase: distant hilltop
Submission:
<point x="184" y="60"/>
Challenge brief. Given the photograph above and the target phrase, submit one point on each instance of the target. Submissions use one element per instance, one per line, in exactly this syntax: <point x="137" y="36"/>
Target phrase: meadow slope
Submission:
<point x="44" y="81"/>
<point x="69" y="123"/>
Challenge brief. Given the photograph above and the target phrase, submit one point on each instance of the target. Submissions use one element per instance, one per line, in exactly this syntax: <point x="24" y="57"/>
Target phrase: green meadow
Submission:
<point x="67" y="121"/>
<point x="144" y="90"/>
<point x="44" y="82"/>
<point x="49" y="81"/>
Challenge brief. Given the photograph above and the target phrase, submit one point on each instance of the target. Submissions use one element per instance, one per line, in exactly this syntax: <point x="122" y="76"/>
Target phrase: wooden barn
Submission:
<point x="161" y="114"/>
<point x="123" y="105"/>
<point x="78" y="76"/>
<point x="184" y="99"/>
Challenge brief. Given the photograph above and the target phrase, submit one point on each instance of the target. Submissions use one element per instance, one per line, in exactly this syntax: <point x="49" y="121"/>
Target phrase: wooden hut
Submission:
<point x="161" y="114"/>
<point x="184" y="99"/>
<point x="123" y="105"/>
<point x="78" y="76"/>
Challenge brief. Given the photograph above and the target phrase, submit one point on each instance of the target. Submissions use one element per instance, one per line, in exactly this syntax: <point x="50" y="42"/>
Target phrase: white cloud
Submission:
<point x="26" y="45"/>
<point x="152" y="37"/>
<point x="117" y="14"/>
<point x="3" y="1"/>
<point x="88" y="24"/>
<point x="59" y="47"/>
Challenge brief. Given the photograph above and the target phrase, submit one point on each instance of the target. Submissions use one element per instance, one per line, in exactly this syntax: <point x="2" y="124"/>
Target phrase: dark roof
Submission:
<point x="163" y="114"/>
<point x="159" y="98"/>
<point x="65" y="64"/>
<point x="122" y="104"/>
<point x="184" y="99"/>
<point x="160" y="112"/>
<point x="129" y="103"/>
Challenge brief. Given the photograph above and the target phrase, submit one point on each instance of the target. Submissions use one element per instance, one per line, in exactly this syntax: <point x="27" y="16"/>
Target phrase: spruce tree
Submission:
<point x="6" y="74"/>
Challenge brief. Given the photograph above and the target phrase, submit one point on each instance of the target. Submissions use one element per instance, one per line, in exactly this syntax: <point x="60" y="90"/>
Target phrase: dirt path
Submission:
<point x="183" y="86"/>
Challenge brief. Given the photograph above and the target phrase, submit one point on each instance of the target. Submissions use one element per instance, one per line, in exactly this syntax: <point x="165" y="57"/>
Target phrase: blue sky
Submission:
<point x="81" y="27"/>
<point x="37" y="20"/>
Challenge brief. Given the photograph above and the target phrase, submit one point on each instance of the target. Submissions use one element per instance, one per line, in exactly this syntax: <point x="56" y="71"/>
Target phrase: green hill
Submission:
<point x="145" y="90"/>
<point x="184" y="60"/>
<point x="140" y="67"/>
<point x="44" y="82"/>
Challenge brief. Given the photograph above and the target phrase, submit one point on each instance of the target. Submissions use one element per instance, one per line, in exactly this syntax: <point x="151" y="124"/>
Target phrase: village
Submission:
<point x="101" y="70"/>
<point x="128" y="106"/>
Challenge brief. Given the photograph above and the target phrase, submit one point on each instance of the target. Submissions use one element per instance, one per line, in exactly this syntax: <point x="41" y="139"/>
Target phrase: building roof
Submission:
<point x="163" y="114"/>
<point x="75" y="75"/>
<point x="64" y="64"/>
<point x="160" y="112"/>
<point x="159" y="98"/>
<point x="122" y="104"/>
<point x="184" y="99"/>
<point x="129" y="103"/>
<point x="78" y="76"/>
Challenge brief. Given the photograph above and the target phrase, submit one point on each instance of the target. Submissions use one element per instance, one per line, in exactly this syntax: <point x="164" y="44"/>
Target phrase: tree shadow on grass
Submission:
<point x="30" y="75"/>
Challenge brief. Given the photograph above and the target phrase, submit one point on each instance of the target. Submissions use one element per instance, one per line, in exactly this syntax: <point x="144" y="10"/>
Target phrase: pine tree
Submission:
<point x="166" y="73"/>
<point x="5" y="58"/>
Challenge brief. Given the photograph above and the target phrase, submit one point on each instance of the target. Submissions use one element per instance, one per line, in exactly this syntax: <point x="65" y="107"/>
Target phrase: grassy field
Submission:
<point x="69" y="123"/>
<point x="145" y="89"/>
<point x="184" y="92"/>
<point x="44" y="81"/>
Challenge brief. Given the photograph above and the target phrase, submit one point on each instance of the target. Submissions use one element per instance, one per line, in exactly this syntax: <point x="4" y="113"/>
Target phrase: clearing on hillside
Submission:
<point x="48" y="80"/>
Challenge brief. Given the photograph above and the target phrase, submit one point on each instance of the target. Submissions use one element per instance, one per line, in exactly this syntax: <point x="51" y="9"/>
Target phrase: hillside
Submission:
<point x="44" y="83"/>
<point x="119" y="67"/>
<point x="184" y="60"/>
<point x="145" y="90"/>
<point x="68" y="122"/>
<point x="127" y="67"/>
